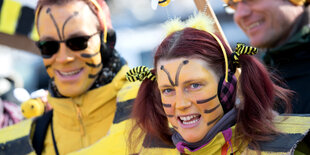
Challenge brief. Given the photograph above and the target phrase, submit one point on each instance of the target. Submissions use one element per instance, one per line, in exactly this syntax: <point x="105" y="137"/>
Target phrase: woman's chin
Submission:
<point x="192" y="139"/>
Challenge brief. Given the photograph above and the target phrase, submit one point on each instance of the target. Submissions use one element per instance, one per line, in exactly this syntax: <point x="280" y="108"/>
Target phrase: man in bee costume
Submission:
<point x="282" y="29"/>
<point x="88" y="90"/>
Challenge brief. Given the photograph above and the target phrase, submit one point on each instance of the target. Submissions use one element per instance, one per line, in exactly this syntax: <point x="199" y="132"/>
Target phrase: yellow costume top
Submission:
<point x="294" y="129"/>
<point x="94" y="113"/>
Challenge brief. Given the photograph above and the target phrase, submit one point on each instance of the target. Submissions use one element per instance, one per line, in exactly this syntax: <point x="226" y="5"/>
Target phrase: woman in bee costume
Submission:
<point x="88" y="91"/>
<point x="195" y="102"/>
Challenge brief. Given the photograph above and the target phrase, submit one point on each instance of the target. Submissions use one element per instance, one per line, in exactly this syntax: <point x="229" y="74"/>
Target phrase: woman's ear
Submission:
<point x="237" y="73"/>
<point x="239" y="99"/>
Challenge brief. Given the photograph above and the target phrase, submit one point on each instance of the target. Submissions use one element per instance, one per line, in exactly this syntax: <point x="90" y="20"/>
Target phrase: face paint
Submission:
<point x="73" y="71"/>
<point x="194" y="107"/>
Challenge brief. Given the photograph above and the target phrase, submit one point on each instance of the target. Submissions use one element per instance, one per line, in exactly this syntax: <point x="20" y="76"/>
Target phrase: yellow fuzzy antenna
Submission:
<point x="201" y="21"/>
<point x="173" y="25"/>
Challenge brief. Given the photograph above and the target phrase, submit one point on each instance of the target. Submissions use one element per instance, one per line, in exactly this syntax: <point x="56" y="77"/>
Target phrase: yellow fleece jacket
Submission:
<point x="294" y="126"/>
<point x="81" y="121"/>
<point x="77" y="122"/>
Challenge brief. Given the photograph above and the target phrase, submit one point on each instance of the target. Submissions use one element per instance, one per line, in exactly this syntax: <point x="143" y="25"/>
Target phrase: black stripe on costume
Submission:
<point x="41" y="125"/>
<point x="154" y="142"/>
<point x="1" y="2"/>
<point x="280" y="143"/>
<point x="25" y="21"/>
<point x="123" y="110"/>
<point x="17" y="146"/>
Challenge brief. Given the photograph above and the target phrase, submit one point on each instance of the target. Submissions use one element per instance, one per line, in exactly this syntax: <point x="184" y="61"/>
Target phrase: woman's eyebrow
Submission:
<point x="193" y="80"/>
<point x="165" y="86"/>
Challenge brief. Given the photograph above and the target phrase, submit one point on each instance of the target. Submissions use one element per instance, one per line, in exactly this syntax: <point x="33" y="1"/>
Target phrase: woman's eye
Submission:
<point x="195" y="85"/>
<point x="167" y="91"/>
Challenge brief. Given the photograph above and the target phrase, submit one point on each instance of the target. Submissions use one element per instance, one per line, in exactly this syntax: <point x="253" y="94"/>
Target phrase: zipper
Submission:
<point x="82" y="127"/>
<point x="79" y="115"/>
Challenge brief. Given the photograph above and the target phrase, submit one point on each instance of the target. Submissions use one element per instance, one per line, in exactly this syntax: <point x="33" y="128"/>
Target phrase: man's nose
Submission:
<point x="64" y="54"/>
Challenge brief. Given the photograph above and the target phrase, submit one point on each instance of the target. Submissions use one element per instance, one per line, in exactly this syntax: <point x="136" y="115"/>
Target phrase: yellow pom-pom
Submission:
<point x="163" y="3"/>
<point x="32" y="108"/>
<point x="173" y="26"/>
<point x="201" y="21"/>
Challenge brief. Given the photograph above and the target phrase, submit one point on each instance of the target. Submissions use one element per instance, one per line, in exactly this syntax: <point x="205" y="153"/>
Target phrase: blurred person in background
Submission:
<point x="88" y="90"/>
<point x="10" y="112"/>
<point x="282" y="29"/>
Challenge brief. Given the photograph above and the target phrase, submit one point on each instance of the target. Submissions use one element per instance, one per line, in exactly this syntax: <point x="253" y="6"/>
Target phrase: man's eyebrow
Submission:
<point x="47" y="38"/>
<point x="76" y="34"/>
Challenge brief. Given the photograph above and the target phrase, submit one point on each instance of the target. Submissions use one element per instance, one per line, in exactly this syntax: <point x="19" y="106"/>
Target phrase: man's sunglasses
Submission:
<point x="49" y="48"/>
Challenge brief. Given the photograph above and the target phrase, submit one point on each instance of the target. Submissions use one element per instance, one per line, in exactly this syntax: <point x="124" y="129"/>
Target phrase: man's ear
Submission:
<point x="106" y="49"/>
<point x="111" y="39"/>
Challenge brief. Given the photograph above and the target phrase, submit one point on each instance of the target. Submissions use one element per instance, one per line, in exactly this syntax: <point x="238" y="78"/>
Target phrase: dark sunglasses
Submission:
<point x="49" y="48"/>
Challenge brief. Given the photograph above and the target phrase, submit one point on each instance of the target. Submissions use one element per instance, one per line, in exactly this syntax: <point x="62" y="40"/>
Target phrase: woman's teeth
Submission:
<point x="189" y="119"/>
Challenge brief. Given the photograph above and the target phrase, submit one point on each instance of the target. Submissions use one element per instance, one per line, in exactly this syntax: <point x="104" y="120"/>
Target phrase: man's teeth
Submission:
<point x="253" y="25"/>
<point x="69" y="73"/>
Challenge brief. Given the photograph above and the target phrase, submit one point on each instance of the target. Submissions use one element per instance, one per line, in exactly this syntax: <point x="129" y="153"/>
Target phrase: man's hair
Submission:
<point x="102" y="4"/>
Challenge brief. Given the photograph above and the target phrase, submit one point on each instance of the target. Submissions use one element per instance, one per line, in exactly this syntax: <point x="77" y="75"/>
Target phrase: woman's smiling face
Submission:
<point x="189" y="95"/>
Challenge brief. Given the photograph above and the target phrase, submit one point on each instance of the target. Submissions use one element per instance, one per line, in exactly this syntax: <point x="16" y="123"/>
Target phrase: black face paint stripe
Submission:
<point x="48" y="66"/>
<point x="93" y="65"/>
<point x="175" y="127"/>
<point x="48" y="11"/>
<point x="170" y="80"/>
<point x="85" y="55"/>
<point x="166" y="105"/>
<point x="178" y="72"/>
<point x="162" y="1"/>
<point x="211" y="110"/>
<point x="170" y="115"/>
<point x="93" y="76"/>
<point x="213" y="121"/>
<point x="206" y="100"/>
<point x="63" y="26"/>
